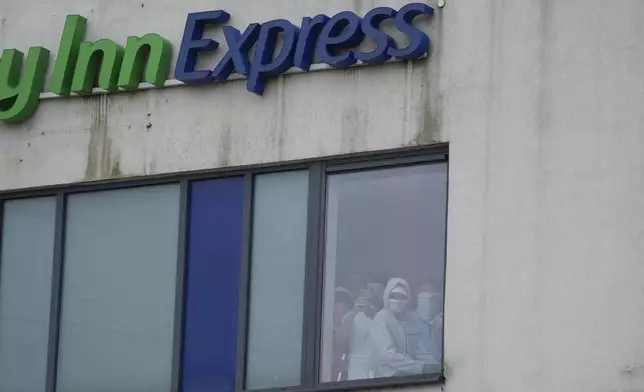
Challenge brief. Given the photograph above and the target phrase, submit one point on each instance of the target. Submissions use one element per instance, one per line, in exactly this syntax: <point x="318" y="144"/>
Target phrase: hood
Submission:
<point x="341" y="289"/>
<point x="393" y="282"/>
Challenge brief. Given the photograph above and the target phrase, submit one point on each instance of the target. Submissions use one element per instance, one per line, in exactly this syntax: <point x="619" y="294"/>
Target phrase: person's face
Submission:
<point x="397" y="302"/>
<point x="375" y="292"/>
<point x="429" y="305"/>
<point x="424" y="307"/>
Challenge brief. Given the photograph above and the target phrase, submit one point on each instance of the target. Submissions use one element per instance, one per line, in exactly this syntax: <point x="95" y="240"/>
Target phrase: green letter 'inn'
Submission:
<point x="80" y="66"/>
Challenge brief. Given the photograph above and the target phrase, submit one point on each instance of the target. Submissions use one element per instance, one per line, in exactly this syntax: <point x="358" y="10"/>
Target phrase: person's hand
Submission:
<point x="361" y="304"/>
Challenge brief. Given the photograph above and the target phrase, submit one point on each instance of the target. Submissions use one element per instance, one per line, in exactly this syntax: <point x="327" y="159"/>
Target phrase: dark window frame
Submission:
<point x="319" y="169"/>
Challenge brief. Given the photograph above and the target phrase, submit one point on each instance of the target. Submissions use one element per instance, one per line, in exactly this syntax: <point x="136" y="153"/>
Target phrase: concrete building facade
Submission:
<point x="538" y="103"/>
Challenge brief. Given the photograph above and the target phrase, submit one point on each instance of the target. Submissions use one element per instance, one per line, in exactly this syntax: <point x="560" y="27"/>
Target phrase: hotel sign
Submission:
<point x="276" y="46"/>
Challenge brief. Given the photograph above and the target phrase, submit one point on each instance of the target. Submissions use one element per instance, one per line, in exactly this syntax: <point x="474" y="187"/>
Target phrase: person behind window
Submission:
<point x="429" y="305"/>
<point x="355" y="329"/>
<point x="398" y="337"/>
<point x="342" y="304"/>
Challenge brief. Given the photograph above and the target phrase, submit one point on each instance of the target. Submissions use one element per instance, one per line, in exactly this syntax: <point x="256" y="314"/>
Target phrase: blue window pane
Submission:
<point x="214" y="259"/>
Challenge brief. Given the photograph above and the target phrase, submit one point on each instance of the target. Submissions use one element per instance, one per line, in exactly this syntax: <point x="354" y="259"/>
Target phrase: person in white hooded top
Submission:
<point x="400" y="342"/>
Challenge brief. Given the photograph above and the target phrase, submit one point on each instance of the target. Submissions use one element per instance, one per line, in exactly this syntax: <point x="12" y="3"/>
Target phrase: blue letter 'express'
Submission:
<point x="329" y="39"/>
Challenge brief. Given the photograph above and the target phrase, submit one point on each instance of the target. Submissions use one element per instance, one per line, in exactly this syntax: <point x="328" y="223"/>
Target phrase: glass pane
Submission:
<point x="277" y="280"/>
<point x="119" y="291"/>
<point x="212" y="286"/>
<point x="384" y="269"/>
<point x="25" y="293"/>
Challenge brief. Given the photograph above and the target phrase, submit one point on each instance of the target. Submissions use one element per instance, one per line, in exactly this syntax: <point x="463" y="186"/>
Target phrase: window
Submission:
<point x="384" y="268"/>
<point x="278" y="259"/>
<point x="116" y="325"/>
<point x="25" y="292"/>
<point x="305" y="276"/>
<point x="212" y="290"/>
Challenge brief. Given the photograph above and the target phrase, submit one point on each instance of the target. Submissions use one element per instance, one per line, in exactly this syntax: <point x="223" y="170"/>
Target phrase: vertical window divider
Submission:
<point x="56" y="293"/>
<point x="177" y="349"/>
<point x="312" y="291"/>
<point x="319" y="274"/>
<point x="1" y="228"/>
<point x="442" y="370"/>
<point x="244" y="283"/>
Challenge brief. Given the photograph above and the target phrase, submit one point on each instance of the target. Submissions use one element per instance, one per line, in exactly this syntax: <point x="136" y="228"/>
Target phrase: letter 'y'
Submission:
<point x="20" y="89"/>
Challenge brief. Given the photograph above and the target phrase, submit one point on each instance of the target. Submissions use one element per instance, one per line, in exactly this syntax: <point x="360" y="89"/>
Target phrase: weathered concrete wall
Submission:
<point x="541" y="102"/>
<point x="543" y="107"/>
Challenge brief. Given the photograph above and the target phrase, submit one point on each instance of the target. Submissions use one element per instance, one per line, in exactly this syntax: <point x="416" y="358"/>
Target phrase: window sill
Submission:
<point x="393" y="382"/>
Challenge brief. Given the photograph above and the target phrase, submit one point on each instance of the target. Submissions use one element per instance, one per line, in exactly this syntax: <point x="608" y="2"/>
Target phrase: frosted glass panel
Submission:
<point x="274" y="353"/>
<point x="25" y="293"/>
<point x="119" y="291"/>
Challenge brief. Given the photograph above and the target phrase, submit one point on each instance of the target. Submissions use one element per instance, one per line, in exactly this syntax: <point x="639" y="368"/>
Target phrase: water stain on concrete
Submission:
<point x="354" y="119"/>
<point x="153" y="166"/>
<point x="225" y="145"/>
<point x="428" y="72"/>
<point x="429" y="109"/>
<point x="116" y="169"/>
<point x="432" y="116"/>
<point x="353" y="130"/>
<point x="102" y="161"/>
<point x="281" y="118"/>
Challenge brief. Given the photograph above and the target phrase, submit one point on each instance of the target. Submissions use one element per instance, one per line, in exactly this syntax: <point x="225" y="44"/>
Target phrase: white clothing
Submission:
<point x="360" y="354"/>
